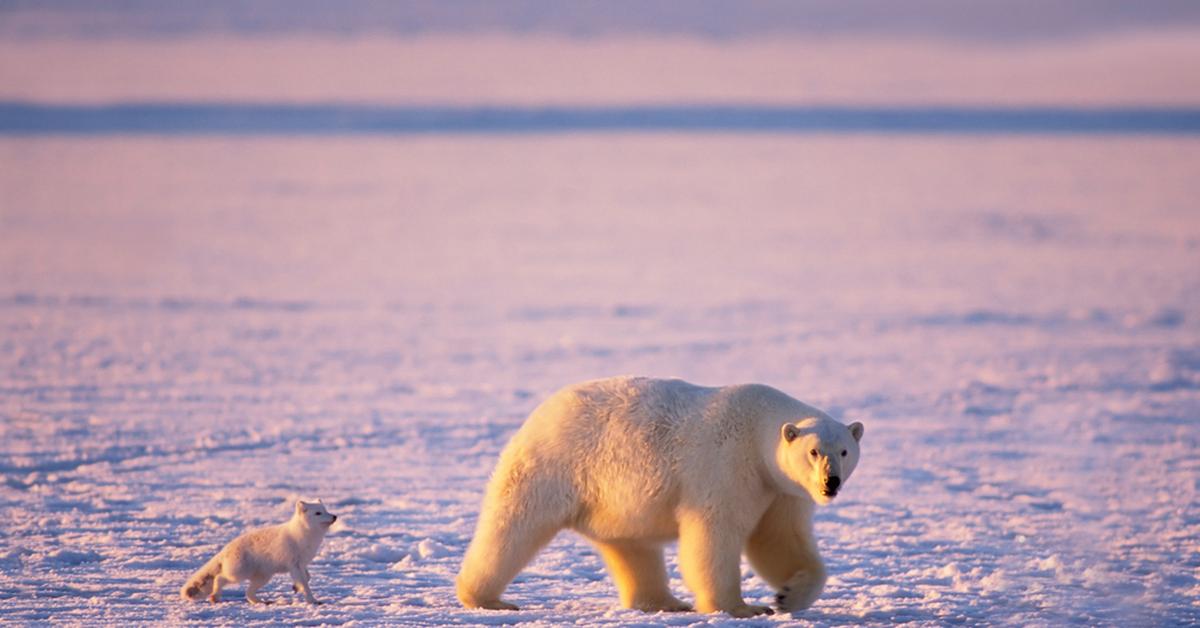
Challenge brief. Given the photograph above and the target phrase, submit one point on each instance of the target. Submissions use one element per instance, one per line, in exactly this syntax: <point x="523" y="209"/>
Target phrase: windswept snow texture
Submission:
<point x="196" y="331"/>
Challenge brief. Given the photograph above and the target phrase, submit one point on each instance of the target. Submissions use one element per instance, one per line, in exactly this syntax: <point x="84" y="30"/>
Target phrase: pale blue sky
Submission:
<point x="1010" y="20"/>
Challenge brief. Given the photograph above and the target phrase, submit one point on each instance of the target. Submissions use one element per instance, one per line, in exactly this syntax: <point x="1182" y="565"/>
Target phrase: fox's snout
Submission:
<point x="192" y="592"/>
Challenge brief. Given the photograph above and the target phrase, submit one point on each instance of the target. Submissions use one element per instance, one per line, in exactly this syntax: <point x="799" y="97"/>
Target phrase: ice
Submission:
<point x="195" y="331"/>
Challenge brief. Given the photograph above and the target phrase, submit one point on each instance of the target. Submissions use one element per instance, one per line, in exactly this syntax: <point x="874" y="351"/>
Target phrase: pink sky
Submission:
<point x="1147" y="68"/>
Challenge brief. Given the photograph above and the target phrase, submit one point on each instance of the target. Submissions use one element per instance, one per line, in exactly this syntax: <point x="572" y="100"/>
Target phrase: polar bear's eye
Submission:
<point x="813" y="453"/>
<point x="843" y="453"/>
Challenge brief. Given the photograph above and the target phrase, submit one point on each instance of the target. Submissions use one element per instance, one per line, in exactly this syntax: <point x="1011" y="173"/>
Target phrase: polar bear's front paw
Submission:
<point x="799" y="592"/>
<point x="670" y="604"/>
<point x="750" y="610"/>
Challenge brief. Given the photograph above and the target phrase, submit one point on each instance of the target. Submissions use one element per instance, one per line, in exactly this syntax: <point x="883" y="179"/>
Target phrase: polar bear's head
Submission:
<point x="819" y="454"/>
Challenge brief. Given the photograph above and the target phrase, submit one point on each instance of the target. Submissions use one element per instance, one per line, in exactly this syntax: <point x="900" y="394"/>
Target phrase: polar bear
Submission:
<point x="634" y="463"/>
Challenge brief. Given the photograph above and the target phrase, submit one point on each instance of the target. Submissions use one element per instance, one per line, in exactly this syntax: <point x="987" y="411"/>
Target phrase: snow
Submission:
<point x="197" y="331"/>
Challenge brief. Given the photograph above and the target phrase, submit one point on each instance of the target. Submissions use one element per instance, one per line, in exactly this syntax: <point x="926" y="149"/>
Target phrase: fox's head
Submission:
<point x="314" y="514"/>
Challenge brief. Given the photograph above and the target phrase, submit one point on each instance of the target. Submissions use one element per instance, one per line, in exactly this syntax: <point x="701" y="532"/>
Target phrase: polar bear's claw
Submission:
<point x="801" y="591"/>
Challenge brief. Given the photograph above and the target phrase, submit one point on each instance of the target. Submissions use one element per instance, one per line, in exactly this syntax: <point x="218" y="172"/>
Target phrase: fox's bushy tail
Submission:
<point x="201" y="583"/>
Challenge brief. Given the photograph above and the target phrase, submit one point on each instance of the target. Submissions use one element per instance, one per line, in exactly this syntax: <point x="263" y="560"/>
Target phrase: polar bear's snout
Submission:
<point x="831" y="486"/>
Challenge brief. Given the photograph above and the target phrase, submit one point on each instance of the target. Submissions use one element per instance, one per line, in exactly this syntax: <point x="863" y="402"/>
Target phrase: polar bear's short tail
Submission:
<point x="201" y="582"/>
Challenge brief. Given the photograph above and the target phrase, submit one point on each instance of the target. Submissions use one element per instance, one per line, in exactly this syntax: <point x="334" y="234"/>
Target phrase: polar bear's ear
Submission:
<point x="856" y="430"/>
<point x="790" y="432"/>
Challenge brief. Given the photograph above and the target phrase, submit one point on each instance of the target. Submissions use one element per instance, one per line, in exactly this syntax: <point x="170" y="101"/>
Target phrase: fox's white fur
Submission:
<point x="260" y="554"/>
<point x="632" y="463"/>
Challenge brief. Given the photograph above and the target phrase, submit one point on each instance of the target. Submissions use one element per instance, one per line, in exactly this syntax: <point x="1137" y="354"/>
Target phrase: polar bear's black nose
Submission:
<point x="832" y="483"/>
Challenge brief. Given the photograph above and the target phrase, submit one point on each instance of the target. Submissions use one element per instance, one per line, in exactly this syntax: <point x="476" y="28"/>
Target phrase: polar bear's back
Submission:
<point x="610" y="418"/>
<point x="582" y="412"/>
<point x="628" y="419"/>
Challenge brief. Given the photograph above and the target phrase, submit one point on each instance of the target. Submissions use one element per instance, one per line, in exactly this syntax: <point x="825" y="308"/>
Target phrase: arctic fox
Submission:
<point x="260" y="554"/>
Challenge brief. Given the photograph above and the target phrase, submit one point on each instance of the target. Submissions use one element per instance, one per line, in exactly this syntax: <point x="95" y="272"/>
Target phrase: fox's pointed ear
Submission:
<point x="790" y="432"/>
<point x="856" y="430"/>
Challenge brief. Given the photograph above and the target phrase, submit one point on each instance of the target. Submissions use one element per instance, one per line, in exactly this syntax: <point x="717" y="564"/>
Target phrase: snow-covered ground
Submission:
<point x="196" y="331"/>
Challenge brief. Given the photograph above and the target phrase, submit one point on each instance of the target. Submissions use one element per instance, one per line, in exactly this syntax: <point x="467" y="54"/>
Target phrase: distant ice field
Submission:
<point x="195" y="331"/>
<point x="209" y="118"/>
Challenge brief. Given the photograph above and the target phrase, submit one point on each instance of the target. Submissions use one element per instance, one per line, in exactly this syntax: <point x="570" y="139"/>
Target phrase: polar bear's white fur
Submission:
<point x="633" y="463"/>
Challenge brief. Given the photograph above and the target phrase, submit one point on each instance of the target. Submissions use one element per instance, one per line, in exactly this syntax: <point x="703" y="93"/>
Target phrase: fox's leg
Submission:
<point x="300" y="578"/>
<point x="217" y="581"/>
<point x="256" y="583"/>
<point x="296" y="586"/>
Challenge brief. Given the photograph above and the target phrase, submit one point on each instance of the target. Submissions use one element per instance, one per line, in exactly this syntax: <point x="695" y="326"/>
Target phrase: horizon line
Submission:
<point x="19" y="118"/>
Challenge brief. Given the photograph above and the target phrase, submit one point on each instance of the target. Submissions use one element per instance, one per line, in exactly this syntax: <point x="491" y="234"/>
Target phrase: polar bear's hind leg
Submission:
<point x="497" y="554"/>
<point x="522" y="512"/>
